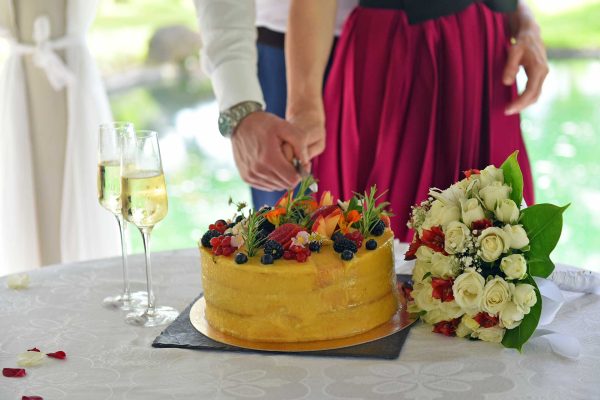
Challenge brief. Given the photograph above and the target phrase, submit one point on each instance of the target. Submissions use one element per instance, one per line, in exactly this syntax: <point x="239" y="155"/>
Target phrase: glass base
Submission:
<point x="160" y="316"/>
<point x="138" y="301"/>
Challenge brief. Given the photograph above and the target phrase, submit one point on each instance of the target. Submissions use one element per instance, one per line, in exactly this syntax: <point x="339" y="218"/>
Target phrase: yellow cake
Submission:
<point x="320" y="299"/>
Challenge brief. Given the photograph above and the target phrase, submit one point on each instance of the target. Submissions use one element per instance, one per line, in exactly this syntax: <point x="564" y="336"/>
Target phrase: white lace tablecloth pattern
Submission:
<point x="107" y="359"/>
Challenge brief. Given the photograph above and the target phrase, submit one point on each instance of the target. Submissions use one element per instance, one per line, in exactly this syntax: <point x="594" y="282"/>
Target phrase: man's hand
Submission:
<point x="258" y="151"/>
<point x="528" y="51"/>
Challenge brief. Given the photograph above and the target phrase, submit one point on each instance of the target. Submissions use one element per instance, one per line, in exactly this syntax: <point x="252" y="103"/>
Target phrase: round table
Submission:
<point x="108" y="359"/>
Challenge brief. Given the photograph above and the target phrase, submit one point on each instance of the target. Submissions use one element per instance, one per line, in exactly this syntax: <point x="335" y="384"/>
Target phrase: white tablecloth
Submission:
<point x="108" y="359"/>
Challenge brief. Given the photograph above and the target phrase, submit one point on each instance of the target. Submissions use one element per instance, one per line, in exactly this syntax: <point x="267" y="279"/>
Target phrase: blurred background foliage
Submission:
<point x="562" y="130"/>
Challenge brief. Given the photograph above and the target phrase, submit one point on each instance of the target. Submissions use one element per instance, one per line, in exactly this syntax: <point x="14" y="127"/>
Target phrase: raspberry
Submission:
<point x="344" y="244"/>
<point x="288" y="255"/>
<point x="216" y="241"/>
<point x="301" y="257"/>
<point x="347" y="255"/>
<point x="274" y="248"/>
<point x="208" y="236"/>
<point x="284" y="234"/>
<point x="227" y="251"/>
<point x="356" y="237"/>
<point x="371" y="244"/>
<point x="226" y="242"/>
<point x="377" y="228"/>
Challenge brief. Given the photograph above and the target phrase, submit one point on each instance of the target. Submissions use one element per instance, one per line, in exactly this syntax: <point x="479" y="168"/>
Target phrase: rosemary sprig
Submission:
<point x="252" y="239"/>
<point x="293" y="211"/>
<point x="371" y="211"/>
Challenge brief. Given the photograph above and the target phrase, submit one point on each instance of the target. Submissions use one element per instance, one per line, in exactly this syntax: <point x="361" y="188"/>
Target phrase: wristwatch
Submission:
<point x="230" y="118"/>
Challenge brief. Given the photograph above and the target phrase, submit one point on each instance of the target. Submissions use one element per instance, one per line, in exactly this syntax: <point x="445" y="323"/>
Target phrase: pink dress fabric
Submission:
<point x="411" y="107"/>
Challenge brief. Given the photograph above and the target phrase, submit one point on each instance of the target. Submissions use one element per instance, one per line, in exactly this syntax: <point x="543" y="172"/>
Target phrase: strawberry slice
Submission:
<point x="284" y="234"/>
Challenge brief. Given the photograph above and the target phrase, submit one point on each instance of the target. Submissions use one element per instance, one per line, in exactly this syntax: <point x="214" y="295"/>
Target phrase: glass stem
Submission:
<point x="146" y="239"/>
<point x="122" y="231"/>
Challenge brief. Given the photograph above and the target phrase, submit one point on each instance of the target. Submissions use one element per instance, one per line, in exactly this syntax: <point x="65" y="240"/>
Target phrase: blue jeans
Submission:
<point x="271" y="74"/>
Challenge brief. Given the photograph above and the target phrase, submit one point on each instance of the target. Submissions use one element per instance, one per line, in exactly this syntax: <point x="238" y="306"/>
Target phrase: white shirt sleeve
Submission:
<point x="228" y="54"/>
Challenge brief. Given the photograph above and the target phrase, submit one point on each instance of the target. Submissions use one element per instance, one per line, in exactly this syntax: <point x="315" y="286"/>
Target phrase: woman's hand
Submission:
<point x="530" y="52"/>
<point x="311" y="122"/>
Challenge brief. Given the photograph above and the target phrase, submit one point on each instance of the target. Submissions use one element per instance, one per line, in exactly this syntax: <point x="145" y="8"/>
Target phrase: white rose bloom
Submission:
<point x="462" y="330"/>
<point x="18" y="281"/>
<point x="496" y="295"/>
<point x="511" y="316"/>
<point x="469" y="322"/>
<point x="471" y="211"/>
<point x="514" y="266"/>
<point x="453" y="195"/>
<point x="524" y="296"/>
<point x="456" y="237"/>
<point x="468" y="290"/>
<point x="494" y="193"/>
<point x="423" y="296"/>
<point x="441" y="214"/>
<point x="446" y="311"/>
<point x="492" y="243"/>
<point x="31" y="358"/>
<point x="490" y="175"/>
<point x="443" y="266"/>
<point x="420" y="269"/>
<point x="507" y="211"/>
<point x="495" y="334"/>
<point x="518" y="236"/>
<point x="424" y="253"/>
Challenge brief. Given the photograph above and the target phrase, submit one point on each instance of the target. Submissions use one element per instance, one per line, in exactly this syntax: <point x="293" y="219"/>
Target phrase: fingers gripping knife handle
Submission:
<point x="288" y="151"/>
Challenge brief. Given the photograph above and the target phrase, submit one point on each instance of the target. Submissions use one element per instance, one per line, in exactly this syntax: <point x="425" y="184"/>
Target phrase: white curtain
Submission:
<point x="86" y="230"/>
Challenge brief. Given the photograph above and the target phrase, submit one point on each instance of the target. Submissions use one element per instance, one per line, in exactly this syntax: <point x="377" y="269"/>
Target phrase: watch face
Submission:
<point x="225" y="124"/>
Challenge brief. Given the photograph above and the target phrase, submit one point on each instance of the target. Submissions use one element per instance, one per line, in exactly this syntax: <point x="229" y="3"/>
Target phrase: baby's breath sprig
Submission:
<point x="251" y="234"/>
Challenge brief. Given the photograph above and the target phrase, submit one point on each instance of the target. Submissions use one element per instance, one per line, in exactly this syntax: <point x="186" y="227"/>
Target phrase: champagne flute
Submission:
<point x="144" y="204"/>
<point x="109" y="197"/>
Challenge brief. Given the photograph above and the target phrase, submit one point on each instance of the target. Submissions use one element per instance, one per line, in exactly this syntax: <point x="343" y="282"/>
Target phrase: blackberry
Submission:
<point x="274" y="249"/>
<point x="266" y="259"/>
<point x="239" y="219"/>
<point x="337" y="236"/>
<point x="371" y="244"/>
<point x="241" y="258"/>
<point x="344" y="244"/>
<point x="212" y="233"/>
<point x="314" y="246"/>
<point x="377" y="228"/>
<point x="347" y="255"/>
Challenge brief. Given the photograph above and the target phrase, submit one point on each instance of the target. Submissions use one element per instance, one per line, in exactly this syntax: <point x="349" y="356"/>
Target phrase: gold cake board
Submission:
<point x="401" y="320"/>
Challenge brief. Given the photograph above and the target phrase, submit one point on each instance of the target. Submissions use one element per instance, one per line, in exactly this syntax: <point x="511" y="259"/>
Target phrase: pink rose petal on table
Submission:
<point x="34" y="349"/>
<point x="14" y="372"/>
<point x="32" y="398"/>
<point x="61" y="355"/>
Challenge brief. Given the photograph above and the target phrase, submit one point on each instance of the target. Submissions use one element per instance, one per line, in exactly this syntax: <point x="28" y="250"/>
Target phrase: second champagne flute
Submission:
<point x="144" y="204"/>
<point x="109" y="197"/>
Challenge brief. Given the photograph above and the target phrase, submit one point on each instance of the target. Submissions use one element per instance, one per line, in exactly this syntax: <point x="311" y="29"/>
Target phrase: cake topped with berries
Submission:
<point x="303" y="270"/>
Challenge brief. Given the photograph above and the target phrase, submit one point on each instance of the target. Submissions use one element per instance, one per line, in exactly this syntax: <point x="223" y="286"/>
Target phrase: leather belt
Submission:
<point x="423" y="10"/>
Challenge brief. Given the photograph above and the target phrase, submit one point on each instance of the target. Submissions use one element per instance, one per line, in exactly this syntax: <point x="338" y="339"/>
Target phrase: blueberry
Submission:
<point x="347" y="255"/>
<point x="239" y="219"/>
<point x="314" y="246"/>
<point x="344" y="244"/>
<point x="266" y="259"/>
<point x="371" y="244"/>
<point x="241" y="258"/>
<point x="337" y="236"/>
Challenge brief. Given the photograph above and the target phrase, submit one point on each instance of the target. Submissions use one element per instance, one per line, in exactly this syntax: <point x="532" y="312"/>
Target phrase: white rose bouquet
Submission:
<point x="477" y="251"/>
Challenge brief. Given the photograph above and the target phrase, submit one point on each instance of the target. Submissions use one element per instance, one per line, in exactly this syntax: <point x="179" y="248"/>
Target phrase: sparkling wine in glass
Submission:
<point x="144" y="204"/>
<point x="109" y="197"/>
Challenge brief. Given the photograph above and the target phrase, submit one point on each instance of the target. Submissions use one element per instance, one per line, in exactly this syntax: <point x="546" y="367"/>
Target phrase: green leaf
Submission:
<point x="517" y="337"/>
<point x="513" y="177"/>
<point x="543" y="224"/>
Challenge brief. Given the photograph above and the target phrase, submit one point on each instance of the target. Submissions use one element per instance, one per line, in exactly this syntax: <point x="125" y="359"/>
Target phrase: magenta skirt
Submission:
<point x="410" y="107"/>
